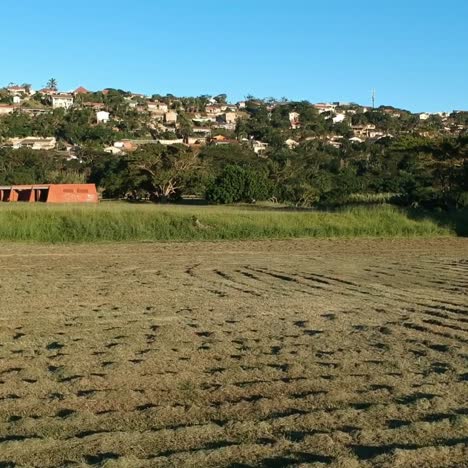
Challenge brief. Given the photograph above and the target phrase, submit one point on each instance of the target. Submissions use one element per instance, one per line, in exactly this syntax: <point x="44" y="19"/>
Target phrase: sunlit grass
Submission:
<point x="126" y="222"/>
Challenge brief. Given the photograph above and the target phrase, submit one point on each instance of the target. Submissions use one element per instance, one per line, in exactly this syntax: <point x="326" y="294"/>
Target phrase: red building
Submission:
<point x="50" y="193"/>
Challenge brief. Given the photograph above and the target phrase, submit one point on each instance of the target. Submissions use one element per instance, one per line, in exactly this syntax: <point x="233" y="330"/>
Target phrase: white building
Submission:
<point x="102" y="117"/>
<point x="7" y="109"/>
<point x="16" y="99"/>
<point x="339" y="118"/>
<point x="291" y="144"/>
<point x="170" y="117"/>
<point x="294" y="119"/>
<point x="259" y="147"/>
<point x="35" y="143"/>
<point x="229" y="117"/>
<point x="62" y="101"/>
<point x="158" y="107"/>
<point x="424" y="116"/>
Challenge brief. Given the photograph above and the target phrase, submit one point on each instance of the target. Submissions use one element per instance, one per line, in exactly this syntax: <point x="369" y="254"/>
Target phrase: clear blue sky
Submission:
<point x="414" y="52"/>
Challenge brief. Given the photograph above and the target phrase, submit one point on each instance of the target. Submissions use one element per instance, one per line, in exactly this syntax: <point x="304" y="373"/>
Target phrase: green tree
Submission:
<point x="238" y="184"/>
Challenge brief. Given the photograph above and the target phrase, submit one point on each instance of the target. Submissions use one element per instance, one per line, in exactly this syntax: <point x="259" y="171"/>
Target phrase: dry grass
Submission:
<point x="267" y="353"/>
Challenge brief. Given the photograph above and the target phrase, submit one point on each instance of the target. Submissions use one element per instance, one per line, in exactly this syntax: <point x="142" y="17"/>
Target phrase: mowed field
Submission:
<point x="268" y="353"/>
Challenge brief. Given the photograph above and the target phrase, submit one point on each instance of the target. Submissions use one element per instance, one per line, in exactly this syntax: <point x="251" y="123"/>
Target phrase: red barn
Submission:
<point x="50" y="193"/>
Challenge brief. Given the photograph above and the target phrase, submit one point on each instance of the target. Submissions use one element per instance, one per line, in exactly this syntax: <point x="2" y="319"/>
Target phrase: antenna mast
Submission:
<point x="373" y="98"/>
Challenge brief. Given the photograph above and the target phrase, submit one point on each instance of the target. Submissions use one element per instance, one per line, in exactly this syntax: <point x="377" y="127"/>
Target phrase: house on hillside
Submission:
<point x="339" y="118"/>
<point x="228" y="117"/>
<point x="102" y="116"/>
<point x="294" y="119"/>
<point x="158" y="107"/>
<point x="34" y="143"/>
<point x="259" y="147"/>
<point x="15" y="89"/>
<point x="195" y="140"/>
<point x="48" y="91"/>
<point x="363" y="131"/>
<point x="97" y="106"/>
<point x="170" y="117"/>
<point x="62" y="101"/>
<point x="7" y="109"/>
<point x="291" y="144"/>
<point x="325" y="107"/>
<point x="80" y="90"/>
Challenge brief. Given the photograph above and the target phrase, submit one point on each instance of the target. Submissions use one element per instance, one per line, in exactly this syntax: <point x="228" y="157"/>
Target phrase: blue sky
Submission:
<point x="413" y="52"/>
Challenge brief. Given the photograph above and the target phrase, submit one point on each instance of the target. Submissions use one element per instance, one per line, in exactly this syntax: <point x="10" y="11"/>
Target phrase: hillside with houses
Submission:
<point x="328" y="145"/>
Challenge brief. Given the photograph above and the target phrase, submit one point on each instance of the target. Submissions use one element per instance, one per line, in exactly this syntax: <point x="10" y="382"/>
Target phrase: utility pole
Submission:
<point x="373" y="98"/>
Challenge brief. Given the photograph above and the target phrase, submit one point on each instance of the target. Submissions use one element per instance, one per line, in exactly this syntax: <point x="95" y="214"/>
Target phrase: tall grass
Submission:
<point x="124" y="222"/>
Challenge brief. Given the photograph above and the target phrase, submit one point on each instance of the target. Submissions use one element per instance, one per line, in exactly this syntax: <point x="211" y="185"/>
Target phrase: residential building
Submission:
<point x="291" y="144"/>
<point x="15" y="89"/>
<point x="102" y="116"/>
<point x="195" y="140"/>
<point x="228" y="117"/>
<point x="7" y="109"/>
<point x="94" y="105"/>
<point x="339" y="118"/>
<point x="259" y="147"/>
<point x="178" y="141"/>
<point x="325" y="107"/>
<point x="62" y="101"/>
<point x="363" y="131"/>
<point x="48" y="91"/>
<point x="16" y="99"/>
<point x="294" y="119"/>
<point x="158" y="107"/>
<point x="170" y="117"/>
<point x="80" y="90"/>
<point x="35" y="143"/>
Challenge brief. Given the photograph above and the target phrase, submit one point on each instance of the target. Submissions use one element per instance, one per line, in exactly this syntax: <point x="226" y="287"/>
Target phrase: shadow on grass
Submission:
<point x="456" y="220"/>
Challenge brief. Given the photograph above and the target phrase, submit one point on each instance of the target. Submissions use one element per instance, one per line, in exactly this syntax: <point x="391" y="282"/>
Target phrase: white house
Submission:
<point x="424" y="116"/>
<point x="291" y="144"/>
<point x="158" y="107"/>
<point x="229" y="117"/>
<point x="15" y="89"/>
<point x="16" y="99"/>
<point x="259" y="147"/>
<point x="325" y="107"/>
<point x="63" y="101"/>
<point x="35" y="143"/>
<point x="339" y="118"/>
<point x="102" y="117"/>
<point x="170" y="117"/>
<point x="7" y="109"/>
<point x="294" y="119"/>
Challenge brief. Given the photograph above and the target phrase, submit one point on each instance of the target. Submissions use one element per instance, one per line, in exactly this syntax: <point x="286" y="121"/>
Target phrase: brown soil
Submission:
<point x="286" y="353"/>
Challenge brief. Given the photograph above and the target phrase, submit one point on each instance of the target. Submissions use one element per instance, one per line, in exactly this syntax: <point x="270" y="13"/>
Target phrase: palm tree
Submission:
<point x="52" y="84"/>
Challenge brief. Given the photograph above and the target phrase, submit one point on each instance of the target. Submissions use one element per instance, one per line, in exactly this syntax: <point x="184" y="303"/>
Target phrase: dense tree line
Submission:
<point x="412" y="170"/>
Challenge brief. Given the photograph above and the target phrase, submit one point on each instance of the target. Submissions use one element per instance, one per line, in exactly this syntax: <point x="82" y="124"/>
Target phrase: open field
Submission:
<point x="139" y="222"/>
<point x="268" y="353"/>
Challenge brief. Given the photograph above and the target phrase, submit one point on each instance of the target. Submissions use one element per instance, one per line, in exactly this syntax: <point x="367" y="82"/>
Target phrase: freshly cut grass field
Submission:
<point x="299" y="353"/>
<point x="126" y="222"/>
